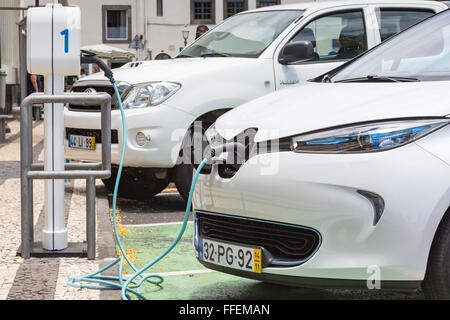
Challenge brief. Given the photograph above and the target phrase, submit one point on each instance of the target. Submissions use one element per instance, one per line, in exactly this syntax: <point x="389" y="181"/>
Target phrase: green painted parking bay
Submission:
<point x="184" y="277"/>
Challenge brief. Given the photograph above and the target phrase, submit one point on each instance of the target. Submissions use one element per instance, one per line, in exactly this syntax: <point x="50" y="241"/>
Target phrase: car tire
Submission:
<point x="136" y="183"/>
<point x="437" y="279"/>
<point x="183" y="179"/>
<point x="183" y="172"/>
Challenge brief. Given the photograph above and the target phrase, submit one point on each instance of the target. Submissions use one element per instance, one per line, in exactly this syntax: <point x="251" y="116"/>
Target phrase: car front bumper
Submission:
<point x="321" y="192"/>
<point x="166" y="127"/>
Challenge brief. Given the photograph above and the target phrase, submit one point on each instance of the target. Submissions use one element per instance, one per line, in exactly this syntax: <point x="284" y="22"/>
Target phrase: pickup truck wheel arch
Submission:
<point x="183" y="171"/>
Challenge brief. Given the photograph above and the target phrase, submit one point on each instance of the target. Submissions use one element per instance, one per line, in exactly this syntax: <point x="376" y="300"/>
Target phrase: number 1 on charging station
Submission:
<point x="65" y="34"/>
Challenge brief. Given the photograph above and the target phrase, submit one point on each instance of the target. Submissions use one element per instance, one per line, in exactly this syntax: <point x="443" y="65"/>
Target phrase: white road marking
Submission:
<point x="180" y="273"/>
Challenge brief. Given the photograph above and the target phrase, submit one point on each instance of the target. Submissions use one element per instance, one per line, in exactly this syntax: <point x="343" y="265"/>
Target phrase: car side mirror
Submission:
<point x="297" y="51"/>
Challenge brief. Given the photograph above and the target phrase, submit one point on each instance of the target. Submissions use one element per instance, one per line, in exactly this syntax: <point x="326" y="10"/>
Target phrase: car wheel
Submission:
<point x="190" y="157"/>
<point x="137" y="183"/>
<point x="183" y="179"/>
<point x="437" y="279"/>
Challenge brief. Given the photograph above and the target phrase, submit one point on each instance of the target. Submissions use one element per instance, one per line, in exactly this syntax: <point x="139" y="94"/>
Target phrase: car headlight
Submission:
<point x="149" y="94"/>
<point x="371" y="137"/>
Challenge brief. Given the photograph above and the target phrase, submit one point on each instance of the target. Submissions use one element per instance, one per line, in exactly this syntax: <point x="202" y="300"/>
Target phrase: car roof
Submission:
<point x="337" y="3"/>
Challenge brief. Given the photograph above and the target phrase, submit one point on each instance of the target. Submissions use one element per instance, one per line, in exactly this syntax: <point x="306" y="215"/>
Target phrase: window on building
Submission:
<point x="393" y="21"/>
<point x="117" y="24"/>
<point x="159" y="8"/>
<point x="266" y="3"/>
<point x="337" y="36"/>
<point x="231" y="7"/>
<point x="202" y="12"/>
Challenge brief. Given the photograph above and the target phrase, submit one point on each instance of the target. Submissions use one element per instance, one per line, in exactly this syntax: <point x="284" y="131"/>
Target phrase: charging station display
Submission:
<point x="53" y="40"/>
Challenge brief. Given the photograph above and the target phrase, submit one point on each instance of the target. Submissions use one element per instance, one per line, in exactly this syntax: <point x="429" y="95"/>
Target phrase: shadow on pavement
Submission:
<point x="163" y="208"/>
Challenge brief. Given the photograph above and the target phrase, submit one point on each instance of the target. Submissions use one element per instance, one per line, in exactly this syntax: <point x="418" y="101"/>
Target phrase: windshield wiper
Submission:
<point x="376" y="78"/>
<point x="184" y="56"/>
<point x="214" y="54"/>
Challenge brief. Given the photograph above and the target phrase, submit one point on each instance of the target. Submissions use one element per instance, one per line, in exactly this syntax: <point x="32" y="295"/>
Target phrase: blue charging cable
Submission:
<point x="130" y="286"/>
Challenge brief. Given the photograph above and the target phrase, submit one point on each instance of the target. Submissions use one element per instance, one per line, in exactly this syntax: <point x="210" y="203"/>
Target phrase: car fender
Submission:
<point x="224" y="90"/>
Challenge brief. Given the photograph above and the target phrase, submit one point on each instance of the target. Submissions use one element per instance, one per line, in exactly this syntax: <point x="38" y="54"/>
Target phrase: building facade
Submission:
<point x="9" y="40"/>
<point x="159" y="22"/>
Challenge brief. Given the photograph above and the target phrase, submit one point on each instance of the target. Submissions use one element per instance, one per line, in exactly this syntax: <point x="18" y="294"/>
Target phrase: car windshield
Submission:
<point x="243" y="35"/>
<point x="421" y="53"/>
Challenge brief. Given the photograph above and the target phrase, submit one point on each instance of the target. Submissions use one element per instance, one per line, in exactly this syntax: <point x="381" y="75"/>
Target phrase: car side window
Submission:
<point x="337" y="36"/>
<point x="393" y="21"/>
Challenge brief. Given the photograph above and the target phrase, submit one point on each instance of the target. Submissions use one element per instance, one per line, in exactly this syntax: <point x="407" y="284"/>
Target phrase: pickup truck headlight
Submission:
<point x="149" y="94"/>
<point x="371" y="137"/>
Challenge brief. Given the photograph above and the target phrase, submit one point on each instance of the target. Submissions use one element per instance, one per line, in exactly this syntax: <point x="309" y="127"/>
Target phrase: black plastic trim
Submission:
<point x="317" y="283"/>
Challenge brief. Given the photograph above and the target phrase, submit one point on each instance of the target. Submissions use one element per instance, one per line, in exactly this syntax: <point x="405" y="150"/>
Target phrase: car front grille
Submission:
<point x="287" y="245"/>
<point x="92" y="133"/>
<point x="94" y="108"/>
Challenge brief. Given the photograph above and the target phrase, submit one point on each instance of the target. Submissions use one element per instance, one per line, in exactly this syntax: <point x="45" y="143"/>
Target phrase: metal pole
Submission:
<point x="61" y="175"/>
<point x="26" y="155"/>
<point x="2" y="129"/>
<point x="23" y="59"/>
<point x="70" y="166"/>
<point x="90" y="217"/>
<point x="55" y="232"/>
<point x="88" y="171"/>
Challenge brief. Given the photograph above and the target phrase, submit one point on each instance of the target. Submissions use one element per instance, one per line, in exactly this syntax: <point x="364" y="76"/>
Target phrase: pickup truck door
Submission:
<point x="391" y="19"/>
<point x="337" y="34"/>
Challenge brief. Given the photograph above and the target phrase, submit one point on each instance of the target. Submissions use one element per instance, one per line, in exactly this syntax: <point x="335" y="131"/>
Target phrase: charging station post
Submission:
<point x="53" y="50"/>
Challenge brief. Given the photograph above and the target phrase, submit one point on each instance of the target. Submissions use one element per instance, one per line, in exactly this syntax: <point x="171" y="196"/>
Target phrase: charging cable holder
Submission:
<point x="30" y="171"/>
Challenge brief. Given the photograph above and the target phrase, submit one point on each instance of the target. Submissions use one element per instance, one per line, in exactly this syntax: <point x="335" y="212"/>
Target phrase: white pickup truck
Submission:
<point x="169" y="103"/>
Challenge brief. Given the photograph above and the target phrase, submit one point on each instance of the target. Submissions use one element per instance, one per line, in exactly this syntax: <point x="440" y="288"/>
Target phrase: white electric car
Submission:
<point x="343" y="182"/>
<point x="247" y="56"/>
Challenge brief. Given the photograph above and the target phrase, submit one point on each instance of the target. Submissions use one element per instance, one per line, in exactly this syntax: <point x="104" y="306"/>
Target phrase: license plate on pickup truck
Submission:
<point x="230" y="255"/>
<point x="81" y="142"/>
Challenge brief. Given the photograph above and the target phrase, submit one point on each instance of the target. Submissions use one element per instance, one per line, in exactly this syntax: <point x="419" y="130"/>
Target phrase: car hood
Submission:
<point x="315" y="106"/>
<point x="176" y="70"/>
